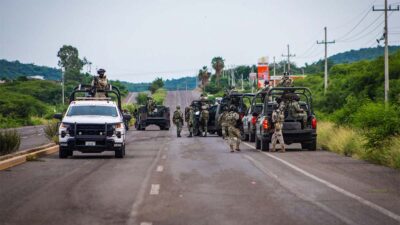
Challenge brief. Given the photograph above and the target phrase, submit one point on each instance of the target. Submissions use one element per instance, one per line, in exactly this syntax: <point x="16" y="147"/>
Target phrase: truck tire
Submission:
<point x="258" y="143"/>
<point x="264" y="145"/>
<point x="252" y="136"/>
<point x="219" y="132"/>
<point x="63" y="153"/>
<point x="120" y="152"/>
<point x="245" y="137"/>
<point x="311" y="146"/>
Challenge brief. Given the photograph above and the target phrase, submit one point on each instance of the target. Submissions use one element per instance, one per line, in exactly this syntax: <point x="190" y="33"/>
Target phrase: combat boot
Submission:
<point x="283" y="149"/>
<point x="232" y="150"/>
<point x="190" y="134"/>
<point x="273" y="148"/>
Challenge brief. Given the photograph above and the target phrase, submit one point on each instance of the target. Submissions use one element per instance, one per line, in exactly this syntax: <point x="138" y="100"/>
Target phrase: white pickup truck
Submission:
<point x="92" y="125"/>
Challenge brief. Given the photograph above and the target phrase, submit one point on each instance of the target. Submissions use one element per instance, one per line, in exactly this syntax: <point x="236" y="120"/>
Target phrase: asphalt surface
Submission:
<point x="169" y="180"/>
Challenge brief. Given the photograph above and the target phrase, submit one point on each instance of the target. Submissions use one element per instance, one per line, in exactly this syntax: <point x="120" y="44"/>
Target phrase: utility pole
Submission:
<point x="62" y="85"/>
<point x="242" y="82"/>
<point x="386" y="35"/>
<point x="326" y="42"/>
<point x="288" y="58"/>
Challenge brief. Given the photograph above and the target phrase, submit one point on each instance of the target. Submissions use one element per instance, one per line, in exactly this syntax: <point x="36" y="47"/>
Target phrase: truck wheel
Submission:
<point x="63" y="153"/>
<point x="312" y="146"/>
<point x="119" y="153"/>
<point x="219" y="132"/>
<point x="258" y="143"/>
<point x="245" y="137"/>
<point x="252" y="137"/>
<point x="264" y="145"/>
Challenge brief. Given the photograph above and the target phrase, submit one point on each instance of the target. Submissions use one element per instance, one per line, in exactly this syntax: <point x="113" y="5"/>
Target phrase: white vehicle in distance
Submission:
<point x="92" y="125"/>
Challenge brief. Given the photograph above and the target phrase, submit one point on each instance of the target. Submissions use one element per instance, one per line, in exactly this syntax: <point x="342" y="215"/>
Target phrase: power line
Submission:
<point x="361" y="33"/>
<point x="355" y="27"/>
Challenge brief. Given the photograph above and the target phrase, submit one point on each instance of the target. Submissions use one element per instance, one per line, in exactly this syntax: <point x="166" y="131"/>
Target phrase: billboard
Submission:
<point x="262" y="71"/>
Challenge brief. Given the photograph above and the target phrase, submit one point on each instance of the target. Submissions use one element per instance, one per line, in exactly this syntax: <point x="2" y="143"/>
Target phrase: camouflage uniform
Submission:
<point x="190" y="121"/>
<point x="150" y="105"/>
<point x="223" y="123"/>
<point x="297" y="113"/>
<point x="204" y="115"/>
<point x="286" y="81"/>
<point x="178" y="121"/>
<point x="100" y="83"/>
<point x="234" y="133"/>
<point x="278" y="118"/>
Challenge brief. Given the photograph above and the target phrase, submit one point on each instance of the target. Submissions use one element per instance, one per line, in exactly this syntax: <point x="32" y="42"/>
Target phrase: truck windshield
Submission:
<point x="92" y="110"/>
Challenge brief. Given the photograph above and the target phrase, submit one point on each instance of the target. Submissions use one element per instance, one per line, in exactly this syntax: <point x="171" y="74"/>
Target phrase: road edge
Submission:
<point x="22" y="158"/>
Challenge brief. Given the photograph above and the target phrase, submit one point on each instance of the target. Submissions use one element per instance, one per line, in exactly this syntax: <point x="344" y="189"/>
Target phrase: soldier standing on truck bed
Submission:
<point x="286" y="81"/>
<point x="150" y="105"/>
<point x="100" y="83"/>
<point x="178" y="120"/>
<point x="278" y="118"/>
<point x="296" y="112"/>
<point x="234" y="133"/>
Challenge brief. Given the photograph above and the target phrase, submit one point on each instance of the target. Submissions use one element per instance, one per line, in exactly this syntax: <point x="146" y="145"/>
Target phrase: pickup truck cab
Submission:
<point x="250" y="118"/>
<point x="293" y="130"/>
<point x="92" y="125"/>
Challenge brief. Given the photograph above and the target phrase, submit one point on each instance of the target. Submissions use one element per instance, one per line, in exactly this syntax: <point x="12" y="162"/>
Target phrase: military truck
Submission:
<point x="293" y="130"/>
<point x="159" y="117"/>
<point x="93" y="124"/>
<point x="241" y="100"/>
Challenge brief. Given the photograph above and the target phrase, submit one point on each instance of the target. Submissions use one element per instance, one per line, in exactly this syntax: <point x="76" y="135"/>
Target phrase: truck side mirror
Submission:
<point x="58" y="116"/>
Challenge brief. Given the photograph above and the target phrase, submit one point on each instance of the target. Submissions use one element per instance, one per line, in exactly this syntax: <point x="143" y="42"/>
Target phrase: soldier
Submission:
<point x="100" y="83"/>
<point x="234" y="133"/>
<point x="223" y="123"/>
<point x="203" y="97"/>
<point x="178" y="120"/>
<point x="286" y="81"/>
<point x="150" y="105"/>
<point x="278" y="118"/>
<point x="190" y="121"/>
<point x="204" y="115"/>
<point x="296" y="112"/>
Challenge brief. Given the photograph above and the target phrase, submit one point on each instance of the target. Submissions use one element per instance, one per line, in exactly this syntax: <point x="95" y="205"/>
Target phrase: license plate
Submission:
<point x="90" y="143"/>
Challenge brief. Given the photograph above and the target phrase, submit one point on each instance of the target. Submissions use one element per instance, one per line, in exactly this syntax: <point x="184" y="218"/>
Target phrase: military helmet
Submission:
<point x="101" y="71"/>
<point x="232" y="108"/>
<point x="178" y="107"/>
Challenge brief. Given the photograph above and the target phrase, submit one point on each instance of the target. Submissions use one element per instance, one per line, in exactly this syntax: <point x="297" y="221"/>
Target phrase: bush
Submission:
<point x="378" y="122"/>
<point x="159" y="96"/>
<point x="10" y="141"/>
<point x="141" y="98"/>
<point x="51" y="131"/>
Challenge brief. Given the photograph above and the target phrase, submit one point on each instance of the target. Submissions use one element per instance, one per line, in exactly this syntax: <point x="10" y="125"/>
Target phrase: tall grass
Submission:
<point x="159" y="96"/>
<point x="51" y="131"/>
<point x="10" y="141"/>
<point x="351" y="142"/>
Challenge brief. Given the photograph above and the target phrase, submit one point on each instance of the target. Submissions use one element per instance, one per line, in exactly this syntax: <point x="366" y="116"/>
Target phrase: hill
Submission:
<point x="361" y="54"/>
<point x="14" y="69"/>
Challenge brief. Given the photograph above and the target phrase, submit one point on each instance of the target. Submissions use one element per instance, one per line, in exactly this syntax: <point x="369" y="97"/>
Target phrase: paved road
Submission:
<point x="165" y="180"/>
<point x="131" y="98"/>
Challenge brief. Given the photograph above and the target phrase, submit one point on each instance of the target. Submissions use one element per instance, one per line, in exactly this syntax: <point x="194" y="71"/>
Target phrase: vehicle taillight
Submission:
<point x="265" y="124"/>
<point x="254" y="120"/>
<point x="241" y="116"/>
<point x="314" y="123"/>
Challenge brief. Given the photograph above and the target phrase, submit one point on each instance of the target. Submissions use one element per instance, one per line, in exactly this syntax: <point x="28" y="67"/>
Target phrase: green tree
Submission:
<point x="156" y="84"/>
<point x="70" y="61"/>
<point x="203" y="77"/>
<point x="218" y="65"/>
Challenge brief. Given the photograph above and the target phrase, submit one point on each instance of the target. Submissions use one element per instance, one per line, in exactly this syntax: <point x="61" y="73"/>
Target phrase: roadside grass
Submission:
<point x="350" y="142"/>
<point x="10" y="141"/>
<point x="34" y="120"/>
<point x="51" y="130"/>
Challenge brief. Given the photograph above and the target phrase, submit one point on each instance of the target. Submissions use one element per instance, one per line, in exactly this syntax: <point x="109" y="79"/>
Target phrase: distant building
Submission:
<point x="2" y="81"/>
<point x="36" y="77"/>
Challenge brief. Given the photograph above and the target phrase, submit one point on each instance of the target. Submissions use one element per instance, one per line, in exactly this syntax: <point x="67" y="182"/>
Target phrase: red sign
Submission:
<point x="262" y="74"/>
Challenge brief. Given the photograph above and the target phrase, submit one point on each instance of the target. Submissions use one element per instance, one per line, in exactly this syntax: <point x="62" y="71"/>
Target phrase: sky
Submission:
<point x="139" y="40"/>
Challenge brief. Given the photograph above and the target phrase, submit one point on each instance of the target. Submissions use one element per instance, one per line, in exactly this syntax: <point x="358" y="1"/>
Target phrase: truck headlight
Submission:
<point x="119" y="125"/>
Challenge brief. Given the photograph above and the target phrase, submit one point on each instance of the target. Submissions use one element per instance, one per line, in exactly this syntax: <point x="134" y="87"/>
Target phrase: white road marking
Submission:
<point x="146" y="223"/>
<point x="155" y="189"/>
<point x="160" y="168"/>
<point x="334" y="187"/>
